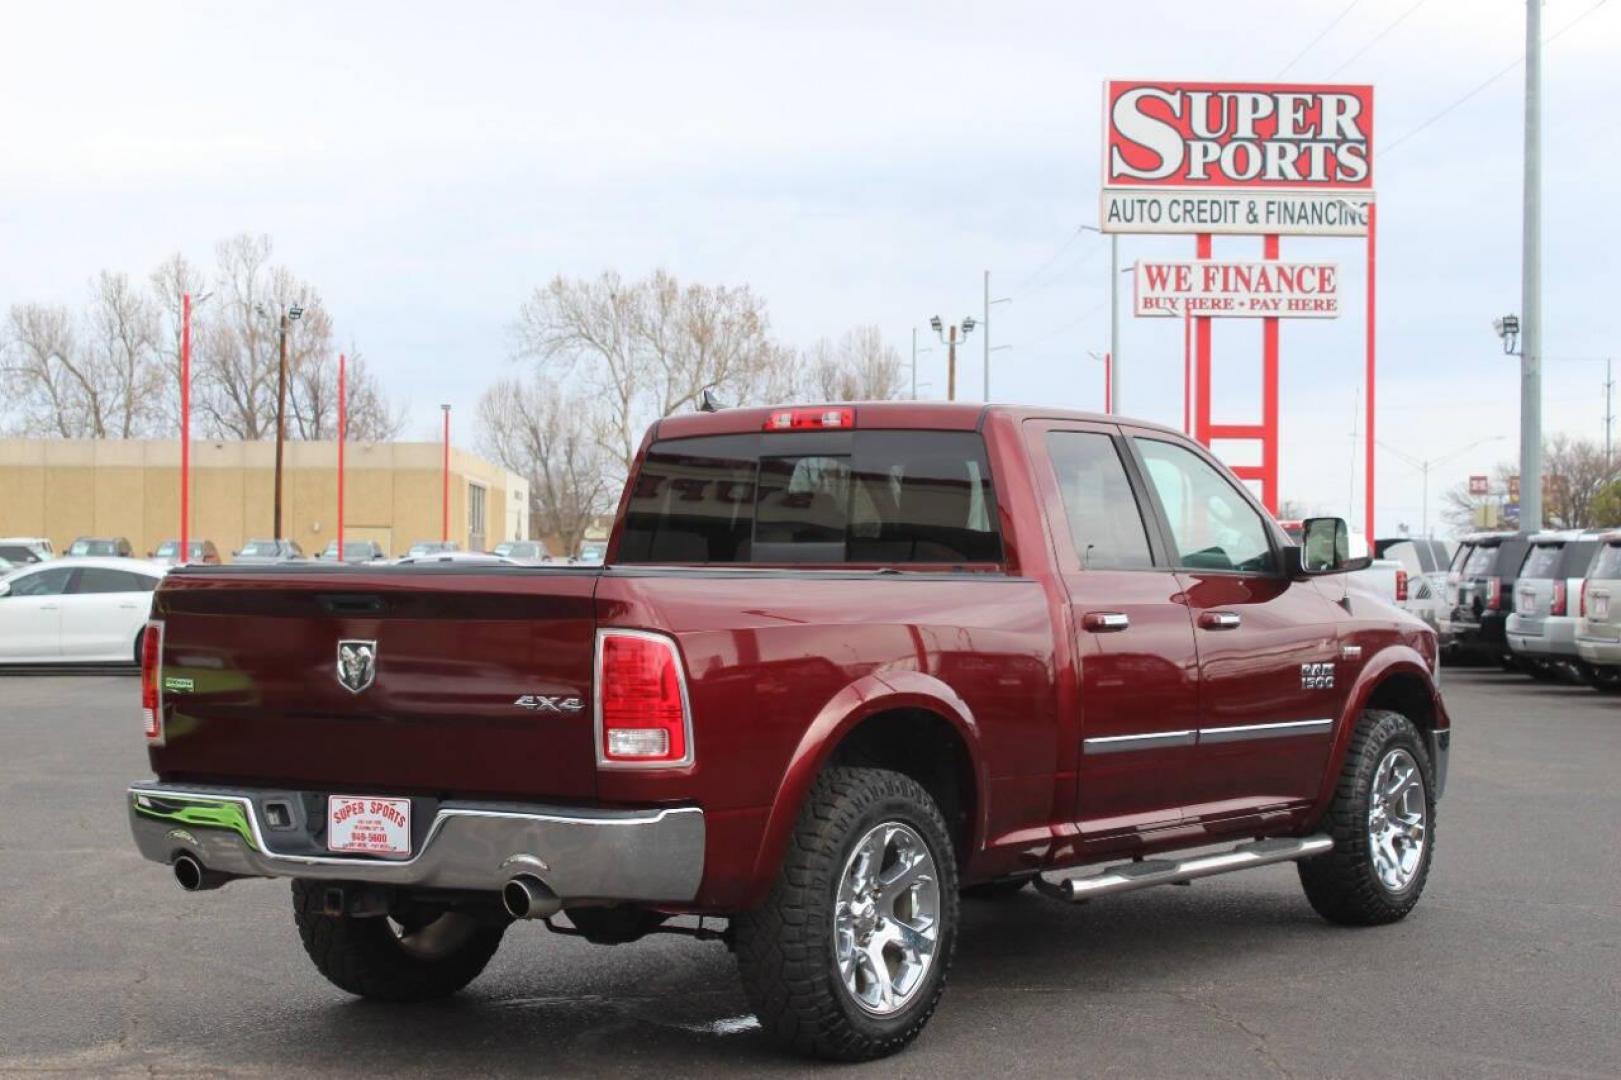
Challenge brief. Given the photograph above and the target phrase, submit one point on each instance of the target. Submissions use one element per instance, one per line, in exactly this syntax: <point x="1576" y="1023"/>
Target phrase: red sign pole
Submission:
<point x="1269" y="397"/>
<point x="444" y="528"/>
<point x="1201" y="410"/>
<point x="342" y="435"/>
<point x="1368" y="453"/>
<point x="185" y="428"/>
<point x="1187" y="370"/>
<point x="1108" y="383"/>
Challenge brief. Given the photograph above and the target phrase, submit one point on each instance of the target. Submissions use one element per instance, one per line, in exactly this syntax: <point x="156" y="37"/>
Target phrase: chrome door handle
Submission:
<point x="1219" y="620"/>
<point x="1105" y="622"/>
<point x="47" y="607"/>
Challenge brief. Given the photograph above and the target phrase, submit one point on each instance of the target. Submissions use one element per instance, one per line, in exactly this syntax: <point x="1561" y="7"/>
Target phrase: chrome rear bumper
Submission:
<point x="582" y="855"/>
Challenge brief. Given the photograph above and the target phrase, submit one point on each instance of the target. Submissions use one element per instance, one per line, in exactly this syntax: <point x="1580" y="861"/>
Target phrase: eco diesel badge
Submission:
<point x="548" y="703"/>
<point x="357" y="664"/>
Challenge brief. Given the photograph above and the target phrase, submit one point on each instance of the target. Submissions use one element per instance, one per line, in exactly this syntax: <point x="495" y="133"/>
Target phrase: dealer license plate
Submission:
<point x="1601" y="608"/>
<point x="1528" y="602"/>
<point x="367" y="825"/>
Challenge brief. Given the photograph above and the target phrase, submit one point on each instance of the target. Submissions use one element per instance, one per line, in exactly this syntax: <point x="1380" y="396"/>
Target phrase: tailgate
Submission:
<point x="459" y="660"/>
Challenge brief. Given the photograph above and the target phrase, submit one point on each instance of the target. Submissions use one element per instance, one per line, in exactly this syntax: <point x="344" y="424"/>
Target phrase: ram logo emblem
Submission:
<point x="1317" y="676"/>
<point x="357" y="664"/>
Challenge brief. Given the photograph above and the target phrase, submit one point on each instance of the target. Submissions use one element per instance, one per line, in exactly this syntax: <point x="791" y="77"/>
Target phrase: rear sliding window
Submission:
<point x="815" y="497"/>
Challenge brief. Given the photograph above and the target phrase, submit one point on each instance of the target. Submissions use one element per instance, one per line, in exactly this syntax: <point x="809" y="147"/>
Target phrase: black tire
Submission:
<point x="996" y="890"/>
<point x="1542" y="671"/>
<point x="369" y="957"/>
<point x="1606" y="680"/>
<point x="1343" y="885"/>
<point x="786" y="949"/>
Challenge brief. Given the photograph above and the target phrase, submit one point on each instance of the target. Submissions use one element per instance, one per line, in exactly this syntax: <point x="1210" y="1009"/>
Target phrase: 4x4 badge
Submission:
<point x="548" y="703"/>
<point x="357" y="664"/>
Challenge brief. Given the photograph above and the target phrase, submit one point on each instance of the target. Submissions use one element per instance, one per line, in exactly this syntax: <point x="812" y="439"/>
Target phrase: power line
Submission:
<point x="1377" y="38"/>
<point x="1312" y="44"/>
<point x="1056" y="278"/>
<point x="1042" y="269"/>
<point x="1549" y="40"/>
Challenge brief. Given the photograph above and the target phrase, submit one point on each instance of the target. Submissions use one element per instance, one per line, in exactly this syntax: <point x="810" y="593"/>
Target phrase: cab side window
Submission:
<point x="1104" y="520"/>
<point x="1213" y="525"/>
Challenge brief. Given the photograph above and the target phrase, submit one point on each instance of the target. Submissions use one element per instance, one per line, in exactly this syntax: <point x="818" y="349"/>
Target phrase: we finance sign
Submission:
<point x="1211" y="288"/>
<point x="1237" y="158"/>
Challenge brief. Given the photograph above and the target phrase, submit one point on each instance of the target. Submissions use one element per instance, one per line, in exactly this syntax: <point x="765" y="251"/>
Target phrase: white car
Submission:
<point x="76" y="611"/>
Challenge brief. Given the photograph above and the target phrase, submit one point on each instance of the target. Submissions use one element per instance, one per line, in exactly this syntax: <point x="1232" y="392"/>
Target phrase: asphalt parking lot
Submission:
<point x="1510" y="967"/>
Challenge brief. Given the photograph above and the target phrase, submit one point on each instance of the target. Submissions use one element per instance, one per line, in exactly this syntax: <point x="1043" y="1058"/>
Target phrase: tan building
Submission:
<point x="65" y="488"/>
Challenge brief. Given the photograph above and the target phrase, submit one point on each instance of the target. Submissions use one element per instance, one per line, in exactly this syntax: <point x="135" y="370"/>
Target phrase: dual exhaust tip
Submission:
<point x="524" y="896"/>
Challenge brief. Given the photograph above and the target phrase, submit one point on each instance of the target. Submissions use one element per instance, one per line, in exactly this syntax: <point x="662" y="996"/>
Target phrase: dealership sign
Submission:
<point x="1235" y="289"/>
<point x="1479" y="485"/>
<point x="1237" y="158"/>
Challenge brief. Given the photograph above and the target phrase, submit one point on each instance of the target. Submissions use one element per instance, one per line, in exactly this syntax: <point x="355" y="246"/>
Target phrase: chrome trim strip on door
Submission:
<point x="1115" y="744"/>
<point x="1242" y="732"/>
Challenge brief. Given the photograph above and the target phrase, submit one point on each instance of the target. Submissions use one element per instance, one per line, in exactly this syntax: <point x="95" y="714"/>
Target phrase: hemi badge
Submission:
<point x="1350" y="652"/>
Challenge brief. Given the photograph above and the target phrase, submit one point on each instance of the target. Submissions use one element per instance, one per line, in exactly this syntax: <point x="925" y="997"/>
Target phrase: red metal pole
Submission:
<point x="342" y="434"/>
<point x="444" y="529"/>
<point x="1368" y="462"/>
<point x="1108" y="383"/>
<point x="1269" y="397"/>
<point x="185" y="427"/>
<point x="1187" y="371"/>
<point x="1201" y="411"/>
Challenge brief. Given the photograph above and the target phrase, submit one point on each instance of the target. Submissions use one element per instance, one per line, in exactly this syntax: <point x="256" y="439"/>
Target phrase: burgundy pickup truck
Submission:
<point x="843" y="665"/>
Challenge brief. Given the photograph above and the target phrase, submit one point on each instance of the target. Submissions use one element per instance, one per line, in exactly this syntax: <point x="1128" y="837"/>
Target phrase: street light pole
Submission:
<point x="1424" y="466"/>
<point x="914" y="363"/>
<point x="950" y="341"/>
<point x="1531" y="281"/>
<point x="342" y="434"/>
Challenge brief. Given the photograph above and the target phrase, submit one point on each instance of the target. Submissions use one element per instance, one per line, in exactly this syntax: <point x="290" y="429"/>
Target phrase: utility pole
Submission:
<point x="281" y="410"/>
<point x="951" y="367"/>
<point x="1531" y="282"/>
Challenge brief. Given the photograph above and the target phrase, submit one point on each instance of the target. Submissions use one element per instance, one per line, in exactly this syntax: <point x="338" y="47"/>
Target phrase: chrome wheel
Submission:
<point x="1397" y="820"/>
<point x="886" y="918"/>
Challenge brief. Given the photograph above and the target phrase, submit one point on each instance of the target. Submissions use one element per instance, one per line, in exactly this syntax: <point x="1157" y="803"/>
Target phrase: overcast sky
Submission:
<point x="426" y="165"/>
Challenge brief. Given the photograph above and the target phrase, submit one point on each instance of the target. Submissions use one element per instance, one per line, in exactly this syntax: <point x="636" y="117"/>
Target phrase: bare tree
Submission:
<point x="313" y="401"/>
<point x="645" y="349"/>
<point x="94" y="376"/>
<point x="1575" y="473"/>
<point x="545" y="436"/>
<point x="861" y="367"/>
<point x="174" y="277"/>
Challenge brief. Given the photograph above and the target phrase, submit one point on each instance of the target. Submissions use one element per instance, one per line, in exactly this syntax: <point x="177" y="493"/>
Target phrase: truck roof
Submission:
<point x="919" y="415"/>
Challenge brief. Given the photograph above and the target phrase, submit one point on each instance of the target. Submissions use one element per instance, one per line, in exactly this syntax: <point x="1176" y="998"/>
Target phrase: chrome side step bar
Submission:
<point x="1127" y="877"/>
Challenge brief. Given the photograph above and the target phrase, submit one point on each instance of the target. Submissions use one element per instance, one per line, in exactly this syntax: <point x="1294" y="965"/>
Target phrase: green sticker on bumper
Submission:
<point x="178" y="683"/>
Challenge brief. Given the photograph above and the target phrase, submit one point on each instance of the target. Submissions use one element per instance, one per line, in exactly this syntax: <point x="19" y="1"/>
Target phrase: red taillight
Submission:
<point x="642" y="718"/>
<point x="1401" y="585"/>
<point x="1584" y="598"/>
<point x="152" y="681"/>
<point x="1560" y="592"/>
<point x="1494" y="593"/>
<point x="810" y="419"/>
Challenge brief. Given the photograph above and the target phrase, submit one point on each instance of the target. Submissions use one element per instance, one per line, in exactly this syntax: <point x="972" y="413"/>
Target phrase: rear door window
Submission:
<point x="52" y="582"/>
<point x="870" y="497"/>
<point x="97" y="579"/>
<point x="1105" y="522"/>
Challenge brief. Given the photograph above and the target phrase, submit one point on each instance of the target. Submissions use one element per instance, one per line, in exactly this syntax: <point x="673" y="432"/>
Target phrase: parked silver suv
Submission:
<point x="1598" y="630"/>
<point x="1542" y="629"/>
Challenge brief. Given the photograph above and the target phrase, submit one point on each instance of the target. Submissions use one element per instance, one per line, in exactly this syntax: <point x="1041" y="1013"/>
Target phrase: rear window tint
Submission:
<point x="1577" y="558"/>
<point x="1608" y="563"/>
<point x="1543" y="561"/>
<point x="826" y="497"/>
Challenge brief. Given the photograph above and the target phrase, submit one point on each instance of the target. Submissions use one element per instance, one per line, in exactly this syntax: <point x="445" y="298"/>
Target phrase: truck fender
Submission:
<point x="1392" y="660"/>
<point x="866" y="697"/>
